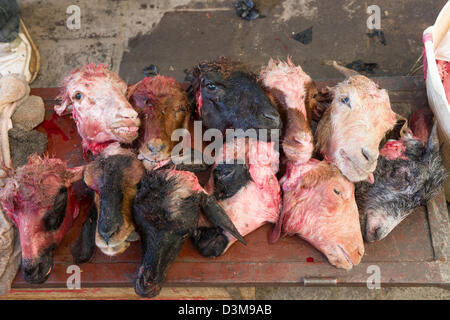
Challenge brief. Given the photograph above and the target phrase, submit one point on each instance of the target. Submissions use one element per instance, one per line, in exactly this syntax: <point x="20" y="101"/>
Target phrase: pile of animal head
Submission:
<point x="319" y="206"/>
<point x="96" y="98"/>
<point x="409" y="173"/>
<point x="227" y="95"/>
<point x="162" y="106"/>
<point x="351" y="129"/>
<point x="40" y="201"/>
<point x="114" y="178"/>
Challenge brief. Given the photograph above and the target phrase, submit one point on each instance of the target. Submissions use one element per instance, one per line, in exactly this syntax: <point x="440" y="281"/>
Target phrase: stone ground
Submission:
<point x="176" y="34"/>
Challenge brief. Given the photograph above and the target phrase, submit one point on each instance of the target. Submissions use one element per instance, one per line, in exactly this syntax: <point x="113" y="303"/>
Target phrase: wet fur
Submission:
<point x="401" y="185"/>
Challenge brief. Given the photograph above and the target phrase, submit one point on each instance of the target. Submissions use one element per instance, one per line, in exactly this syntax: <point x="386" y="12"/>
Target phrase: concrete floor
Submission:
<point x="176" y="34"/>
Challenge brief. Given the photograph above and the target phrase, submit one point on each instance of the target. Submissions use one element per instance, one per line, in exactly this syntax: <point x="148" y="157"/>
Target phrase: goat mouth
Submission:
<point x="35" y="277"/>
<point x="152" y="163"/>
<point x="346" y="255"/>
<point x="145" y="288"/>
<point x="126" y="130"/>
<point x="117" y="246"/>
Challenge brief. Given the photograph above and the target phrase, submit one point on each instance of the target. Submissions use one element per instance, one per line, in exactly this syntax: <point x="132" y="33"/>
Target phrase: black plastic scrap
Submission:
<point x="246" y="9"/>
<point x="378" y="33"/>
<point x="360" y="66"/>
<point x="305" y="36"/>
<point x="151" y="71"/>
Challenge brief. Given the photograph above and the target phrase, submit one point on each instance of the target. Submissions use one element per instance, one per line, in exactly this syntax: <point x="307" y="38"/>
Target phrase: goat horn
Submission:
<point x="345" y="71"/>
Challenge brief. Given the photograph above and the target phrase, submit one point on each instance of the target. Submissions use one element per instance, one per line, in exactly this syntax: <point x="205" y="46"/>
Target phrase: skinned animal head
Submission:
<point x="96" y="98"/>
<point x="352" y="127"/>
<point x="162" y="107"/>
<point x="40" y="201"/>
<point x="114" y="180"/>
<point x="408" y="174"/>
<point x="295" y="91"/>
<point x="319" y="206"/>
<point x="227" y="95"/>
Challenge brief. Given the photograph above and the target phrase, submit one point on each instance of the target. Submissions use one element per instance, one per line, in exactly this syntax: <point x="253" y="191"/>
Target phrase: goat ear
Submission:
<point x="217" y="216"/>
<point x="131" y="90"/>
<point x="320" y="102"/>
<point x="401" y="125"/>
<point x="74" y="174"/>
<point x="64" y="108"/>
<point x="345" y="71"/>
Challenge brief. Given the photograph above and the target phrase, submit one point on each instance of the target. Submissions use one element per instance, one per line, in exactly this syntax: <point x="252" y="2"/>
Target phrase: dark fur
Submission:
<point x="111" y="194"/>
<point x="84" y="247"/>
<point x="238" y="100"/>
<point x="55" y="216"/>
<point x="402" y="185"/>
<point x="164" y="227"/>
<point x="162" y="231"/>
<point x="229" y="179"/>
<point x="210" y="241"/>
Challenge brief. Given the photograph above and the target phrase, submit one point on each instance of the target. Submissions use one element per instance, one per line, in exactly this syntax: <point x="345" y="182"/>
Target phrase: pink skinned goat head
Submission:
<point x="41" y="202"/>
<point x="319" y="206"/>
<point x="96" y="97"/>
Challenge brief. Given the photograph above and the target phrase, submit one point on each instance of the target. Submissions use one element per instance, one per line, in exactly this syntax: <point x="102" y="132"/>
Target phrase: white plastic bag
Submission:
<point x="437" y="98"/>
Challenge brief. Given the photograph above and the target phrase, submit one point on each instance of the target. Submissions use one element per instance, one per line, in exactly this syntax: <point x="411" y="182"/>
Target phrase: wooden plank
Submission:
<point x="207" y="273"/>
<point x="439" y="227"/>
<point x="167" y="293"/>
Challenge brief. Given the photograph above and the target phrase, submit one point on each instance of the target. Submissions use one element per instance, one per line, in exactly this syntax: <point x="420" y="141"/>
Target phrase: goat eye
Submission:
<point x="78" y="96"/>
<point x="346" y="100"/>
<point x="211" y="86"/>
<point x="337" y="192"/>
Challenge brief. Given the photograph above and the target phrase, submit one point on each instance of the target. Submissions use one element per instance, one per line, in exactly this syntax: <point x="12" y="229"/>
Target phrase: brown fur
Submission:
<point x="163" y="107"/>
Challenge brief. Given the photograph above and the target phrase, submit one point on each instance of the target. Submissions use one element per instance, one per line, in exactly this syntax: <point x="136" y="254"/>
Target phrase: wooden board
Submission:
<point x="415" y="253"/>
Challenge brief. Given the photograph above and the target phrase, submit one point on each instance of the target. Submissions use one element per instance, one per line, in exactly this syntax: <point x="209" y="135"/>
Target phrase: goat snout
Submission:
<point x="127" y="112"/>
<point x="156" y="149"/>
<point x="107" y="230"/>
<point x="274" y="117"/>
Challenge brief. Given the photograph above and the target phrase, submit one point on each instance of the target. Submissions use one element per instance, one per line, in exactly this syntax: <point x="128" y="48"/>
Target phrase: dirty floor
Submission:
<point x="176" y="34"/>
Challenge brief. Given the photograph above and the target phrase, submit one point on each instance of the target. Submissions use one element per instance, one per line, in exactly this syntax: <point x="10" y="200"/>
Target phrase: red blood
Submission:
<point x="310" y="259"/>
<point x="51" y="128"/>
<point x="199" y="101"/>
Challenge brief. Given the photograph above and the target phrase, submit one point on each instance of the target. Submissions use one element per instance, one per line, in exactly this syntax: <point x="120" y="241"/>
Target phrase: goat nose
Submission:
<point x="377" y="233"/>
<point x="155" y="149"/>
<point x="107" y="232"/>
<point x="127" y="112"/>
<point x="273" y="116"/>
<point x="369" y="155"/>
